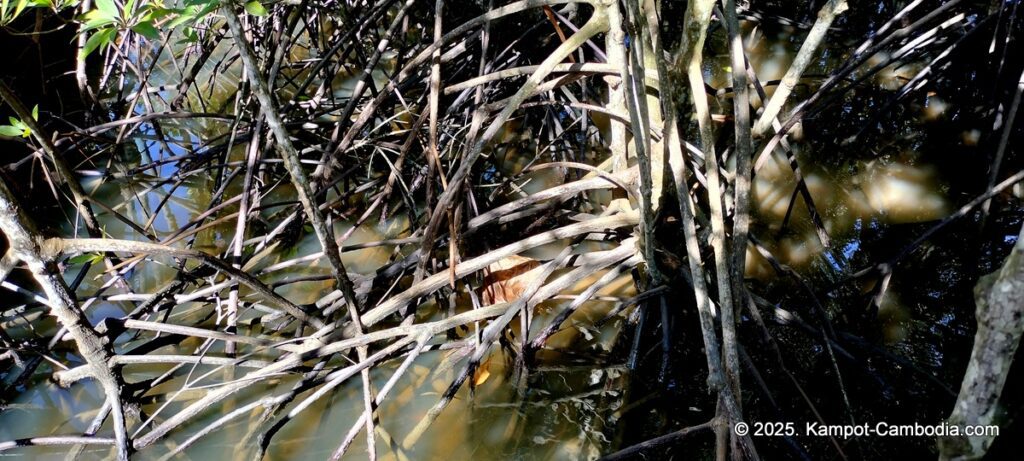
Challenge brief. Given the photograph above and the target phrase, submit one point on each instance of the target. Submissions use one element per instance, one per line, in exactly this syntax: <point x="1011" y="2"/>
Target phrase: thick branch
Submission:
<point x="1000" y="314"/>
<point x="25" y="241"/>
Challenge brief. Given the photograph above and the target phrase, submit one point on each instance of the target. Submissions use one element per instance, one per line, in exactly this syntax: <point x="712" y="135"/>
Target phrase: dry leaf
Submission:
<point x="505" y="280"/>
<point x="482" y="373"/>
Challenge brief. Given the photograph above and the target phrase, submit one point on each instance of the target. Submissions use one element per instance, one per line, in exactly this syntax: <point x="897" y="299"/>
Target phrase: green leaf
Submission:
<point x="80" y="259"/>
<point x="192" y="12"/>
<point x="146" y="29"/>
<point x="101" y="38"/>
<point x="35" y="112"/>
<point x="19" y="7"/>
<point x="189" y="36"/>
<point x="95" y="20"/>
<point x="9" y="131"/>
<point x="183" y="17"/>
<point x="108" y="8"/>
<point x="157" y="13"/>
<point x="255" y="8"/>
<point x="86" y="258"/>
<point x="207" y="9"/>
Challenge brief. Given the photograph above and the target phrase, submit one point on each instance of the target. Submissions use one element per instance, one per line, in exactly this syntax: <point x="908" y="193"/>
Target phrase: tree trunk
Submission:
<point x="1000" y="316"/>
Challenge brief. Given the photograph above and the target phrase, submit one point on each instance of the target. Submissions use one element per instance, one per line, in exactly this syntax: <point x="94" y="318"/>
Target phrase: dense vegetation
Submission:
<point x="231" y="214"/>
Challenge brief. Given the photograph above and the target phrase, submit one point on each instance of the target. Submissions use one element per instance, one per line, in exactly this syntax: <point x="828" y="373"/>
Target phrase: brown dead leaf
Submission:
<point x="482" y="373"/>
<point x="505" y="280"/>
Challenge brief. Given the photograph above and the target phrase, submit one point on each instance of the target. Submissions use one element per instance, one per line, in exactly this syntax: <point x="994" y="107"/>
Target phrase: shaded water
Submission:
<point x="874" y="196"/>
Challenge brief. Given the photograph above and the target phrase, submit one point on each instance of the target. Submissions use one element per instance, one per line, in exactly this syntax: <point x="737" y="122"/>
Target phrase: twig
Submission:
<point x="290" y="156"/>
<point x="826" y="15"/>
<point x="671" y="438"/>
<point x="24" y="241"/>
<point x="59" y="246"/>
<point x="597" y="23"/>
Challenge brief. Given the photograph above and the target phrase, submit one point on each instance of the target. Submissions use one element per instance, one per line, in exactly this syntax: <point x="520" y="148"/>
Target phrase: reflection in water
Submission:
<point x="569" y="402"/>
<point x="880" y="191"/>
<point x="558" y="415"/>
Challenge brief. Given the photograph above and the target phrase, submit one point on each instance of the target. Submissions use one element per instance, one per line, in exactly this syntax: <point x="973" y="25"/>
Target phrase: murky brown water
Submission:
<point x="573" y="398"/>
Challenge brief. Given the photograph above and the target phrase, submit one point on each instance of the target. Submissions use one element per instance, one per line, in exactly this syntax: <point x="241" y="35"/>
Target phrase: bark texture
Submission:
<point x="27" y="244"/>
<point x="1000" y="315"/>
